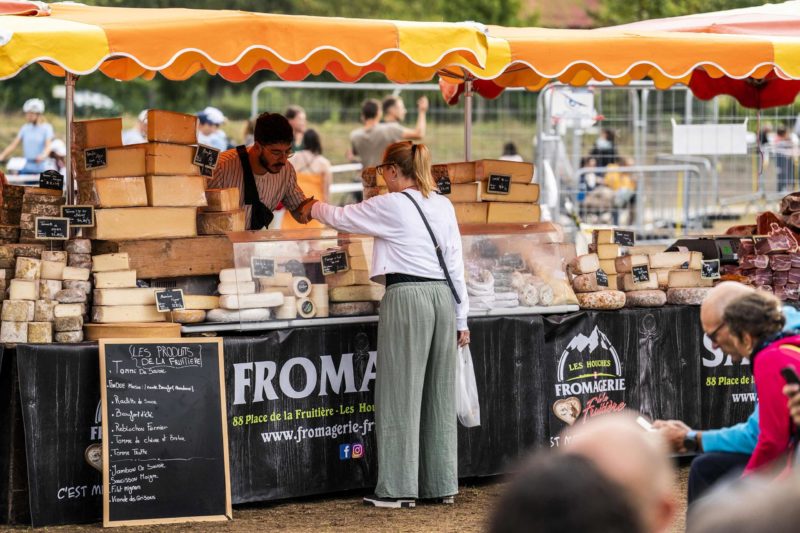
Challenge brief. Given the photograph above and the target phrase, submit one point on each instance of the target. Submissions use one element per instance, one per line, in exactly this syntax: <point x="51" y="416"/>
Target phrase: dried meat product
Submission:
<point x="748" y="262"/>
<point x="780" y="262"/>
<point x="725" y="270"/>
<point x="773" y="244"/>
<point x="742" y="231"/>
<point x="790" y="203"/>
<point x="792" y="291"/>
<point x="749" y="272"/>
<point x="765" y="220"/>
<point x="780" y="278"/>
<point x="746" y="247"/>
<point x="795" y="260"/>
<point x="793" y="220"/>
<point x="762" y="276"/>
<point x="794" y="275"/>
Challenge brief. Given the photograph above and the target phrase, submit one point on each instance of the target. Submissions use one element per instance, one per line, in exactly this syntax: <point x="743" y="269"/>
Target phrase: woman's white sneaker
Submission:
<point x="389" y="503"/>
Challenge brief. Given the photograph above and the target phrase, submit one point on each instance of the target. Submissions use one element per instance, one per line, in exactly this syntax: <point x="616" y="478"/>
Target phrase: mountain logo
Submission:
<point x="589" y="365"/>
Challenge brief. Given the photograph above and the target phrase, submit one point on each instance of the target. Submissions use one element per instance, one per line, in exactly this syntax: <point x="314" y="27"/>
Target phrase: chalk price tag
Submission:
<point x="444" y="185"/>
<point x="262" y="267"/>
<point x="498" y="184"/>
<point x="95" y="158"/>
<point x="52" y="228"/>
<point x="640" y="274"/>
<point x="206" y="158"/>
<point x="624" y="238"/>
<point x="602" y="278"/>
<point x="334" y="262"/>
<point x="710" y="269"/>
<point x="169" y="300"/>
<point x="80" y="216"/>
<point x="51" y="179"/>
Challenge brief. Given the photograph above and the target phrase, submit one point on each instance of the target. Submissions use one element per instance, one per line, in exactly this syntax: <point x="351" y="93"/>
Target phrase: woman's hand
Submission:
<point x="463" y="338"/>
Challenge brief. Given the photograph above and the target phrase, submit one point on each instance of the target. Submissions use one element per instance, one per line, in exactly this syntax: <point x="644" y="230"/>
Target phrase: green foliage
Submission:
<point x="613" y="12"/>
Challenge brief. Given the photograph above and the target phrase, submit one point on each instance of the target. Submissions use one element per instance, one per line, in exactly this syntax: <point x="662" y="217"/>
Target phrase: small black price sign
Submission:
<point x="640" y="273"/>
<point x="169" y="300"/>
<point x="262" y="267"/>
<point x="52" y="228"/>
<point x="51" y="179"/>
<point x="623" y="238"/>
<point x="334" y="262"/>
<point x="206" y="157"/>
<point x="206" y="171"/>
<point x="602" y="278"/>
<point x="80" y="216"/>
<point x="95" y="158"/>
<point x="710" y="269"/>
<point x="498" y="184"/>
<point x="444" y="185"/>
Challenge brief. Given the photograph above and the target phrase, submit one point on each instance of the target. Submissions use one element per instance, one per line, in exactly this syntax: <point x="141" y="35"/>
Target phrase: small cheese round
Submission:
<point x="646" y="298"/>
<point x="188" y="316"/>
<point x="352" y="309"/>
<point x="306" y="308"/>
<point x="301" y="286"/>
<point x="601" y="300"/>
<point x="69" y="336"/>
<point x="687" y="296"/>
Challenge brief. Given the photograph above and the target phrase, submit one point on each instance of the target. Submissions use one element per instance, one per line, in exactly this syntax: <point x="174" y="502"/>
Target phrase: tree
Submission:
<point x="613" y="12"/>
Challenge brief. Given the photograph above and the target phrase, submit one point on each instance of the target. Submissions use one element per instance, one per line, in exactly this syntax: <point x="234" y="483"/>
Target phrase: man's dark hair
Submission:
<point x="292" y="111"/>
<point x="563" y="493"/>
<point x="369" y="109"/>
<point x="389" y="102"/>
<point x="272" y="128"/>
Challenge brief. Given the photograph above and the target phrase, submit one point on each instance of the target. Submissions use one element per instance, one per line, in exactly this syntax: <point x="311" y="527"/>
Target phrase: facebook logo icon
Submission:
<point x="344" y="452"/>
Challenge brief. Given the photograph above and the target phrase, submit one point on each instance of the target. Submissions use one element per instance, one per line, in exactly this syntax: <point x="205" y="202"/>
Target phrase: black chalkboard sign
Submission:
<point x="444" y="185"/>
<point x="51" y="179"/>
<point x="334" y="262"/>
<point x="262" y="267"/>
<point x="52" y="228"/>
<point x="169" y="300"/>
<point x="602" y="278"/>
<point x="95" y="158"/>
<point x="206" y="156"/>
<point x="165" y="442"/>
<point x="710" y="269"/>
<point x="80" y="216"/>
<point x="498" y="184"/>
<point x="624" y="238"/>
<point x="206" y="171"/>
<point x="640" y="273"/>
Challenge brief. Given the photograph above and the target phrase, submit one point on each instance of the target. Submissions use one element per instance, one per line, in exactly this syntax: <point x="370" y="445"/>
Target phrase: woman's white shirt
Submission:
<point x="402" y="243"/>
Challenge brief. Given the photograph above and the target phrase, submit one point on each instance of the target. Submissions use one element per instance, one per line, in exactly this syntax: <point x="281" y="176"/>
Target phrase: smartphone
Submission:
<point x="645" y="424"/>
<point x="790" y="375"/>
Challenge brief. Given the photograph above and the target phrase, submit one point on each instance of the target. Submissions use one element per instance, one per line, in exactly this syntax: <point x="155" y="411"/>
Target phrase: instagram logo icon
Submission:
<point x="358" y="451"/>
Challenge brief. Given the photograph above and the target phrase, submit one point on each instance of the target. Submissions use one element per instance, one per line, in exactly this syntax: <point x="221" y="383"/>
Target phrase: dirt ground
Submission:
<point x="347" y="513"/>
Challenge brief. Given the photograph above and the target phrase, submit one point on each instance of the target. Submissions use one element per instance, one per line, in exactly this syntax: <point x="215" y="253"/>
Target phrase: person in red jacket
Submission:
<point x="756" y="323"/>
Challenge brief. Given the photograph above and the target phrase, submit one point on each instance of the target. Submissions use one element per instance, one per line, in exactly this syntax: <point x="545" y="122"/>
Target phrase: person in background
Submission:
<point x="394" y="113"/>
<point x="296" y="116"/>
<point x="563" y="493"/>
<point x="137" y="134"/>
<point x="209" y="121"/>
<point x="510" y="153"/>
<point x="635" y="459"/>
<point x="36" y="135"/>
<point x="370" y="140"/>
<point x="58" y="155"/>
<point x="247" y="134"/>
<point x="784" y="150"/>
<point x="605" y="148"/>
<point x="423" y="319"/>
<point x="314" y="175"/>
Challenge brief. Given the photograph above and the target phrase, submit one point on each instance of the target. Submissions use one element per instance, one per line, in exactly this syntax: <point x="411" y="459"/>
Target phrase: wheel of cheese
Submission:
<point x="648" y="298"/>
<point x="301" y="286"/>
<point x="287" y="311"/>
<point x="689" y="296"/>
<point x="251" y="301"/>
<point x="352" y="309"/>
<point x="306" y="308"/>
<point x="323" y="312"/>
<point x="69" y="336"/>
<point x="601" y="300"/>
<point x="585" y="282"/>
<point x="188" y="316"/>
<point x="243" y="315"/>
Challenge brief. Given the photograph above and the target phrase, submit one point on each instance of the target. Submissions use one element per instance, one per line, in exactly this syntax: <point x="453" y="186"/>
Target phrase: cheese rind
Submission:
<point x="357" y="293"/>
<point x="71" y="296"/>
<point x="79" y="246"/>
<point x="68" y="323"/>
<point x="63" y="310"/>
<point x="585" y="264"/>
<point x="21" y="289"/>
<point x="471" y="213"/>
<point x="251" y="301"/>
<point x="214" y="223"/>
<point x="43" y="310"/>
<point x="144" y="223"/>
<point x="55" y="256"/>
<point x="171" y="127"/>
<point x="238" y="315"/>
<point x="69" y="336"/>
<point x="625" y="263"/>
<point x="52" y="270"/>
<point x="126" y="313"/>
<point x="118" y="279"/>
<point x="585" y="282"/>
<point x="351" y="277"/>
<point x="464" y="192"/>
<point x="80" y="261"/>
<point x="13" y="332"/>
<point x="517" y="192"/>
<point x="512" y="213"/>
<point x="222" y="199"/>
<point x="684" y="279"/>
<point x="601" y="300"/>
<point x="520" y="172"/>
<point x="687" y="296"/>
<point x="76" y="273"/>
<point x="125" y="296"/>
<point x="629" y="284"/>
<point x="110" y="262"/>
<point x="175" y="191"/>
<point x="113" y="192"/>
<point x="121" y="162"/>
<point x="152" y="330"/>
<point x="48" y="288"/>
<point x="28" y="268"/>
<point x="85" y="286"/>
<point x="645" y="298"/>
<point x="18" y="311"/>
<point x="40" y="332"/>
<point x="188" y="316"/>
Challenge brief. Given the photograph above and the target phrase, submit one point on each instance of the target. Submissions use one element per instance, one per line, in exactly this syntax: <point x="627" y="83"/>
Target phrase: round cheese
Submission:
<point x="585" y="282"/>
<point x="188" y="316"/>
<point x="242" y="315"/>
<point x="68" y="323"/>
<point x="647" y="298"/>
<point x="687" y="296"/>
<point x="69" y="336"/>
<point x="352" y="309"/>
<point x="323" y="312"/>
<point x="288" y="311"/>
<point x="301" y="286"/>
<point x="601" y="300"/>
<point x="306" y="308"/>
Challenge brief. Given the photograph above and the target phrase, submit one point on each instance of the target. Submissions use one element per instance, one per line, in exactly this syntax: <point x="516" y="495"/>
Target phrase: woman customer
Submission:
<point x="423" y="317"/>
<point x="36" y="135"/>
<point x="755" y="323"/>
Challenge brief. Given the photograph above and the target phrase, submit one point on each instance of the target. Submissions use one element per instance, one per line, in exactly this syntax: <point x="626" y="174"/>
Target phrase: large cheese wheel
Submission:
<point x="687" y="296"/>
<point x="648" y="298"/>
<point x="585" y="282"/>
<point x="242" y="315"/>
<point x="251" y="301"/>
<point x="601" y="300"/>
<point x="188" y="316"/>
<point x="352" y="309"/>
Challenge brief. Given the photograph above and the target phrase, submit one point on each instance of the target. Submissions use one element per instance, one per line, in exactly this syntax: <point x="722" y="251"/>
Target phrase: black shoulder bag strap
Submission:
<point x="439" y="254"/>
<point x="260" y="215"/>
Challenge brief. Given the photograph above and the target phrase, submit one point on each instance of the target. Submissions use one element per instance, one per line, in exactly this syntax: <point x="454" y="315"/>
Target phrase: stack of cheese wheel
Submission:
<point x="36" y="202"/>
<point x="591" y="289"/>
<point x="685" y="285"/>
<point x="10" y="213"/>
<point x="351" y="293"/>
<point x="144" y="191"/>
<point x="639" y="292"/>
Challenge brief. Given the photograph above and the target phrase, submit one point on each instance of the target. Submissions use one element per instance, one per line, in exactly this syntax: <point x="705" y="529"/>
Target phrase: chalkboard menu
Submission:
<point x="624" y="238"/>
<point x="710" y="269"/>
<point x="206" y="158"/>
<point x="262" y="267"/>
<point x="95" y="158"/>
<point x="334" y="262"/>
<point x="80" y="216"/>
<point x="498" y="184"/>
<point x="169" y="300"/>
<point x="165" y="442"/>
<point x="52" y="228"/>
<point x="602" y="278"/>
<point x="444" y="185"/>
<point x="640" y="274"/>
<point x="51" y="179"/>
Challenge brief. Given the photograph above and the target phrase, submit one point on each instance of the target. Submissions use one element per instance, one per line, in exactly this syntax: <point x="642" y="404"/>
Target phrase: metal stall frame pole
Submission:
<point x="69" y="101"/>
<point x="468" y="94"/>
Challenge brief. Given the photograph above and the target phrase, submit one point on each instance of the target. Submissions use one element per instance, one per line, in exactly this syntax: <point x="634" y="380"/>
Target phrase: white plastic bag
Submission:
<point x="467" y="406"/>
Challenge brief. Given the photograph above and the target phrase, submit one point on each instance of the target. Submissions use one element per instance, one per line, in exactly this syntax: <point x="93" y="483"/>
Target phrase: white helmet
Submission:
<point x="34" y="105"/>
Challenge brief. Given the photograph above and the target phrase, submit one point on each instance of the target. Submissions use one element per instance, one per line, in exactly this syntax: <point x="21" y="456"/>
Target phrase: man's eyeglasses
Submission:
<point x="713" y="334"/>
<point x="274" y="152"/>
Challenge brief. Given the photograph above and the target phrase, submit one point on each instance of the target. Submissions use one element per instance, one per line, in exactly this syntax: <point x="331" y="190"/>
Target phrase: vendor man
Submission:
<point x="263" y="174"/>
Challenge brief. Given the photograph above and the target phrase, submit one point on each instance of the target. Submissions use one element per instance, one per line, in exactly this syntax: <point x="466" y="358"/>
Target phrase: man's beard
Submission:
<point x="271" y="169"/>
